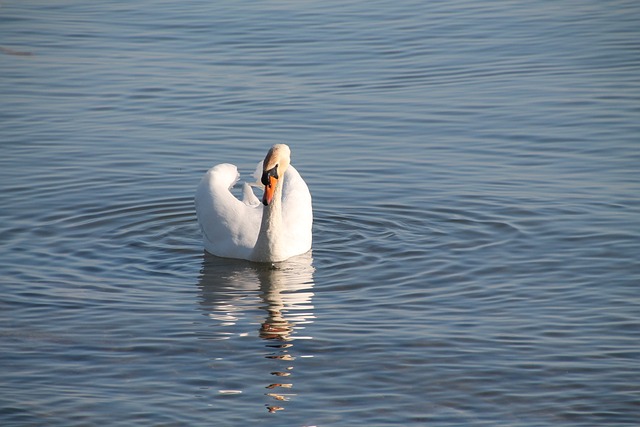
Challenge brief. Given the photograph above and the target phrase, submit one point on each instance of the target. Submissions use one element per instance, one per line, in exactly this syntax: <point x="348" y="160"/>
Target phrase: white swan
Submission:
<point x="246" y="229"/>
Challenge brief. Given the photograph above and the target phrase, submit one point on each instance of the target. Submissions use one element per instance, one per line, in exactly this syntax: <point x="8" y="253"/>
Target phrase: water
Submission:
<point x="474" y="169"/>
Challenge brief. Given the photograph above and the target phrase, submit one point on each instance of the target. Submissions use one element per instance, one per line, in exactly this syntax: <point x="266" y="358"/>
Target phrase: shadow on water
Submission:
<point x="270" y="302"/>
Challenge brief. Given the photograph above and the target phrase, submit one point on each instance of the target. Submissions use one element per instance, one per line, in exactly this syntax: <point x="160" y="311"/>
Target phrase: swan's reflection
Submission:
<point x="233" y="292"/>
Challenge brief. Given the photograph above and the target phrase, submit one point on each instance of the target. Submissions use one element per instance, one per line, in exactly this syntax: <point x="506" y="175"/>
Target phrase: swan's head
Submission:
<point x="275" y="164"/>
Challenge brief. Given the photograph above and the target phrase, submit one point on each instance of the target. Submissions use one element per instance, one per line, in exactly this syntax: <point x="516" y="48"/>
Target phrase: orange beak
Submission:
<point x="269" y="190"/>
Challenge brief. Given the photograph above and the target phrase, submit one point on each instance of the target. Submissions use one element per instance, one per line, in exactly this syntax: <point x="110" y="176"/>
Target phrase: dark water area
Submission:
<point x="475" y="182"/>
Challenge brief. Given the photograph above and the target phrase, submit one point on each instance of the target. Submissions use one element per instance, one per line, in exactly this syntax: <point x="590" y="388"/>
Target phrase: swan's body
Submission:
<point x="271" y="231"/>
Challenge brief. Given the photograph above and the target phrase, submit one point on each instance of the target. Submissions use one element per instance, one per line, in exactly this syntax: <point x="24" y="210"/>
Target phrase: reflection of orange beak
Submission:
<point x="269" y="190"/>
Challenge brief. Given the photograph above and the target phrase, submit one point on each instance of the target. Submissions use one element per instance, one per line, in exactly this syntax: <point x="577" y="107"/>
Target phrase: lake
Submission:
<point x="474" y="168"/>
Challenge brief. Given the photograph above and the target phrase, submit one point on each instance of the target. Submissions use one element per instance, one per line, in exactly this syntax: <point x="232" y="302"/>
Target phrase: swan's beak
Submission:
<point x="269" y="190"/>
<point x="270" y="180"/>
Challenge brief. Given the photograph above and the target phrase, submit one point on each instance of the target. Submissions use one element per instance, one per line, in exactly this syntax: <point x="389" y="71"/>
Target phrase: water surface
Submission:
<point x="474" y="172"/>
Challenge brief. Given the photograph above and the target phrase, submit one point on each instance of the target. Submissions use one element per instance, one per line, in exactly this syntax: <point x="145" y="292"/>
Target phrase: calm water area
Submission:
<point x="475" y="173"/>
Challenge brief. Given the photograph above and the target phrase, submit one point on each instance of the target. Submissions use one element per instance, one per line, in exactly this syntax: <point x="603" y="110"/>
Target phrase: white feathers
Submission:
<point x="236" y="229"/>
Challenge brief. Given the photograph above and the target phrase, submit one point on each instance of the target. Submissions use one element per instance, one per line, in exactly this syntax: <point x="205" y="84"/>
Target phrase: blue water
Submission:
<point x="474" y="168"/>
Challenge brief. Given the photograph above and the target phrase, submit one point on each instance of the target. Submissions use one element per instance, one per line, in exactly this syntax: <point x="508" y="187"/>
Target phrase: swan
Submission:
<point x="271" y="231"/>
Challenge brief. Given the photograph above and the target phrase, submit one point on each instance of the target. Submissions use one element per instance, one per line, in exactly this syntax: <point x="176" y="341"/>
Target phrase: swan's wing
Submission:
<point x="230" y="227"/>
<point x="248" y="196"/>
<point x="297" y="212"/>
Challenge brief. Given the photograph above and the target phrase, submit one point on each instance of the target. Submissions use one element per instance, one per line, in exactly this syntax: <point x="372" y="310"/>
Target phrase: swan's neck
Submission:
<point x="269" y="246"/>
